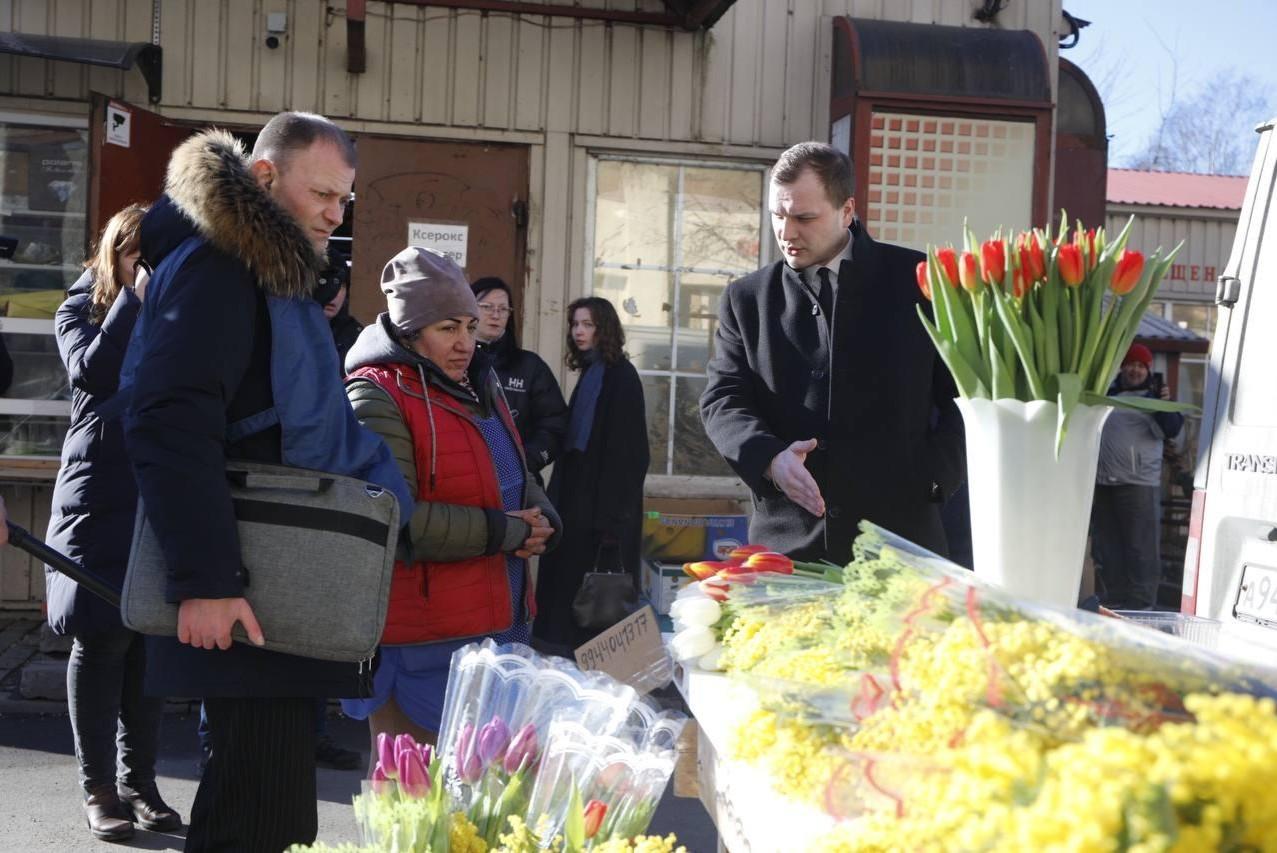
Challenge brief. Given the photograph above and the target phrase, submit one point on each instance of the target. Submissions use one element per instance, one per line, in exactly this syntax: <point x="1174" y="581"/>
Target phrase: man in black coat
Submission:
<point x="825" y="395"/>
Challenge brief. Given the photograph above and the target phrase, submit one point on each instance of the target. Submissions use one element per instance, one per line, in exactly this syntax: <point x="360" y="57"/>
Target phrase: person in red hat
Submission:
<point x="1125" y="517"/>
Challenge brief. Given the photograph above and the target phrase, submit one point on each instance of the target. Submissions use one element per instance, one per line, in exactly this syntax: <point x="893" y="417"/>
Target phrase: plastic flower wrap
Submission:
<point x="593" y="787"/>
<point x="499" y="704"/>
<point x="934" y="683"/>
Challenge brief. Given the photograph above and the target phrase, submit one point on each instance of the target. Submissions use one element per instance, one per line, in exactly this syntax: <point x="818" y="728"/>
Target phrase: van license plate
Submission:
<point x="1257" y="596"/>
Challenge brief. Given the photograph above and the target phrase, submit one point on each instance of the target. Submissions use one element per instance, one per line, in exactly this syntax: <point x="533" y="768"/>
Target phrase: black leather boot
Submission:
<point x="148" y="808"/>
<point x="105" y="815"/>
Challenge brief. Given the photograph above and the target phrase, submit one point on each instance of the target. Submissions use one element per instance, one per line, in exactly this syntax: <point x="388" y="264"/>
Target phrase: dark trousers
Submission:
<point x="116" y="727"/>
<point x="257" y="794"/>
<point x="1126" y="541"/>
<point x="206" y="741"/>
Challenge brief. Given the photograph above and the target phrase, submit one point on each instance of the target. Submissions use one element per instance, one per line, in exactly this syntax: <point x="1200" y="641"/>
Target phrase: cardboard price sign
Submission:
<point x="630" y="651"/>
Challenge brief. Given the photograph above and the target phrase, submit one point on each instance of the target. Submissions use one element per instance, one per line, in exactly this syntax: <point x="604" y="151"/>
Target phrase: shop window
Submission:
<point x="667" y="239"/>
<point x="927" y="176"/>
<point x="1197" y="317"/>
<point x="43" y="187"/>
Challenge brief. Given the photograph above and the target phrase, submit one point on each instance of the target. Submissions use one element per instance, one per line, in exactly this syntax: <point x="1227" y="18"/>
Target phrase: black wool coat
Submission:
<point x="534" y="398"/>
<point x="873" y="392"/>
<point x="94" y="498"/>
<point x="599" y="496"/>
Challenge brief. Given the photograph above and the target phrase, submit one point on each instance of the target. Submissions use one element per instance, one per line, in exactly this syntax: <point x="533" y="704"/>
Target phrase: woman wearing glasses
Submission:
<point x="529" y="385"/>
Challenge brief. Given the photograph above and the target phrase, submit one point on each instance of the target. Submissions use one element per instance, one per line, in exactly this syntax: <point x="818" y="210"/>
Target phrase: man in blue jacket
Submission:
<point x="236" y="242"/>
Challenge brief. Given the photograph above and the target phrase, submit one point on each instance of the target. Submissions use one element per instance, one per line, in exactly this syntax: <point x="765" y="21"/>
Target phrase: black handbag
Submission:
<point x="604" y="597"/>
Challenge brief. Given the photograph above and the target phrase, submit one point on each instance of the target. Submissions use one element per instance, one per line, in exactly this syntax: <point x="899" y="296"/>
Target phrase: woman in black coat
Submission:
<point x="529" y="385"/>
<point x="115" y="726"/>
<point x="597" y="485"/>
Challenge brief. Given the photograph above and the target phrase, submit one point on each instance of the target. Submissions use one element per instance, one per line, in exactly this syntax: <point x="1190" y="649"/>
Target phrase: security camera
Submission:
<point x="276" y="26"/>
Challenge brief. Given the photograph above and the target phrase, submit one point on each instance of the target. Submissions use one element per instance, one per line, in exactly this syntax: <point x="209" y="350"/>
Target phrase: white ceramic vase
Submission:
<point x="1029" y="509"/>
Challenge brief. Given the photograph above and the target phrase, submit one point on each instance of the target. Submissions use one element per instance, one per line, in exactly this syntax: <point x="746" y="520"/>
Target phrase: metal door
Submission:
<point x="129" y="150"/>
<point x="476" y="189"/>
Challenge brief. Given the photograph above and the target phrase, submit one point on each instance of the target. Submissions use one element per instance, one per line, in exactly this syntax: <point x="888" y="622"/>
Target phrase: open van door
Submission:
<point x="129" y="149"/>
<point x="1230" y="569"/>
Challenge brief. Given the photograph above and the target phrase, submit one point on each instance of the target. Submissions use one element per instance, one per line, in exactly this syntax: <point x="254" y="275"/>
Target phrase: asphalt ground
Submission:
<point x="40" y="801"/>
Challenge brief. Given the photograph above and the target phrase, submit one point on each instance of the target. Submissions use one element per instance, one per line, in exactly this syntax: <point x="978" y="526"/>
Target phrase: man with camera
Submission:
<point x="1126" y="514"/>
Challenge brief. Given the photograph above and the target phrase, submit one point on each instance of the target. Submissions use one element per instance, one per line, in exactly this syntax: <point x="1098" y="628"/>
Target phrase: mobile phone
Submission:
<point x="1158" y="383"/>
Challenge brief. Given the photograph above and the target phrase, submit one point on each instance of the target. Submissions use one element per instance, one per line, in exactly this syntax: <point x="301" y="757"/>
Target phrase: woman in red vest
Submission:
<point x="462" y="573"/>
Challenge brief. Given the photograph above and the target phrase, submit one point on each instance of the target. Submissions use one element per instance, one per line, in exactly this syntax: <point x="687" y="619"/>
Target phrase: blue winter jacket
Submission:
<point x="94" y="498"/>
<point x="227" y="338"/>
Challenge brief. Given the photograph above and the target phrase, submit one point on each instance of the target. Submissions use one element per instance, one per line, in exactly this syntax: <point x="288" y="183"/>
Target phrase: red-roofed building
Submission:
<point x="1176" y="189"/>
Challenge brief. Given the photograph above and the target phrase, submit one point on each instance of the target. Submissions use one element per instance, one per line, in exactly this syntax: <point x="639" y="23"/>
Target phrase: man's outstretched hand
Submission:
<point x="206" y="623"/>
<point x="791" y="476"/>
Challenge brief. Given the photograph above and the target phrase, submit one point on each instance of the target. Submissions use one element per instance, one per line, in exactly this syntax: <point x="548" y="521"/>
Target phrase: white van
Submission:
<point x="1230" y="568"/>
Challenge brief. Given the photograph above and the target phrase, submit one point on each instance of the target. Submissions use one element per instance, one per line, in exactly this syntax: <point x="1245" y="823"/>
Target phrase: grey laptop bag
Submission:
<point x="318" y="552"/>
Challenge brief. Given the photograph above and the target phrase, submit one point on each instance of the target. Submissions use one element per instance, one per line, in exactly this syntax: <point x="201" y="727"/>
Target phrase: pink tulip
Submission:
<point x="427" y="754"/>
<point x="403" y="743"/>
<point x="413" y="778"/>
<point x="386" y="755"/>
<point x="380" y="781"/>
<point x="494" y="737"/>
<point x="469" y="768"/>
<point x="522" y="751"/>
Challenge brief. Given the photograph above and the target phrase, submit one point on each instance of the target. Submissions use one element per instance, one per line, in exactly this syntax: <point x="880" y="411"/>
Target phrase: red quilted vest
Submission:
<point x="430" y="602"/>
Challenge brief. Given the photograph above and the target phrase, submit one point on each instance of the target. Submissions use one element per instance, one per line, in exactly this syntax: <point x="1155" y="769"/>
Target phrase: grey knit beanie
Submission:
<point x="424" y="286"/>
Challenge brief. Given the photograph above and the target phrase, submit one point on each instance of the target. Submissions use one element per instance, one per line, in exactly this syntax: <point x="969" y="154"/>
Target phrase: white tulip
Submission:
<point x="692" y="643"/>
<point x="712" y="661"/>
<point x="696" y="611"/>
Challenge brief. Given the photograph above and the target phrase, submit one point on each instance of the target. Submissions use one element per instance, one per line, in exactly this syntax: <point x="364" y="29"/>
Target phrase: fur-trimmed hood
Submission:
<point x="210" y="182"/>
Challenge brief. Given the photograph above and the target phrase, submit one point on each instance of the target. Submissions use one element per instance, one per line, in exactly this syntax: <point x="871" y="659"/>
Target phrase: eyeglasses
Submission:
<point x="495" y="310"/>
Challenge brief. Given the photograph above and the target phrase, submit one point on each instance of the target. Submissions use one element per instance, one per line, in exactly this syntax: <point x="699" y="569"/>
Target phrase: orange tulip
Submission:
<point x="1127" y="272"/>
<point x="770" y="561"/>
<point x="1069" y="261"/>
<point x="1092" y="259"/>
<point x="741" y="553"/>
<point x="969" y="272"/>
<point x="1019" y="282"/>
<point x="993" y="262"/>
<point x="594" y="812"/>
<point x="1031" y="259"/>
<point x="923" y="283"/>
<point x="715" y="587"/>
<point x="702" y="569"/>
<point x="948" y="259"/>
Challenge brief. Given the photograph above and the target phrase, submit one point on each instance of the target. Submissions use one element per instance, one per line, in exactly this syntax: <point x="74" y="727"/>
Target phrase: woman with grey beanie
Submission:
<point x="462" y="573"/>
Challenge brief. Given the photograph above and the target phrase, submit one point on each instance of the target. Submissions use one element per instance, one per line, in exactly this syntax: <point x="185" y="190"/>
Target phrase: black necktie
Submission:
<point x="825" y="293"/>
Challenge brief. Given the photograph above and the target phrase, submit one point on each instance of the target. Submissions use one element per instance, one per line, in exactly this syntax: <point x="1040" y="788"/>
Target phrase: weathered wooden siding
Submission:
<point x="22" y="577"/>
<point x="758" y="78"/>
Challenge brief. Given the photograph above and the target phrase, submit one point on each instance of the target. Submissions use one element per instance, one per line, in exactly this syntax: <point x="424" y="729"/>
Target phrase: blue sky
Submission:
<point x="1138" y="52"/>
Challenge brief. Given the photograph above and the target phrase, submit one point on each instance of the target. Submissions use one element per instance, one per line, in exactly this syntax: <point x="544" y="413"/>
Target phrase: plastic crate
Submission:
<point x="1196" y="629"/>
